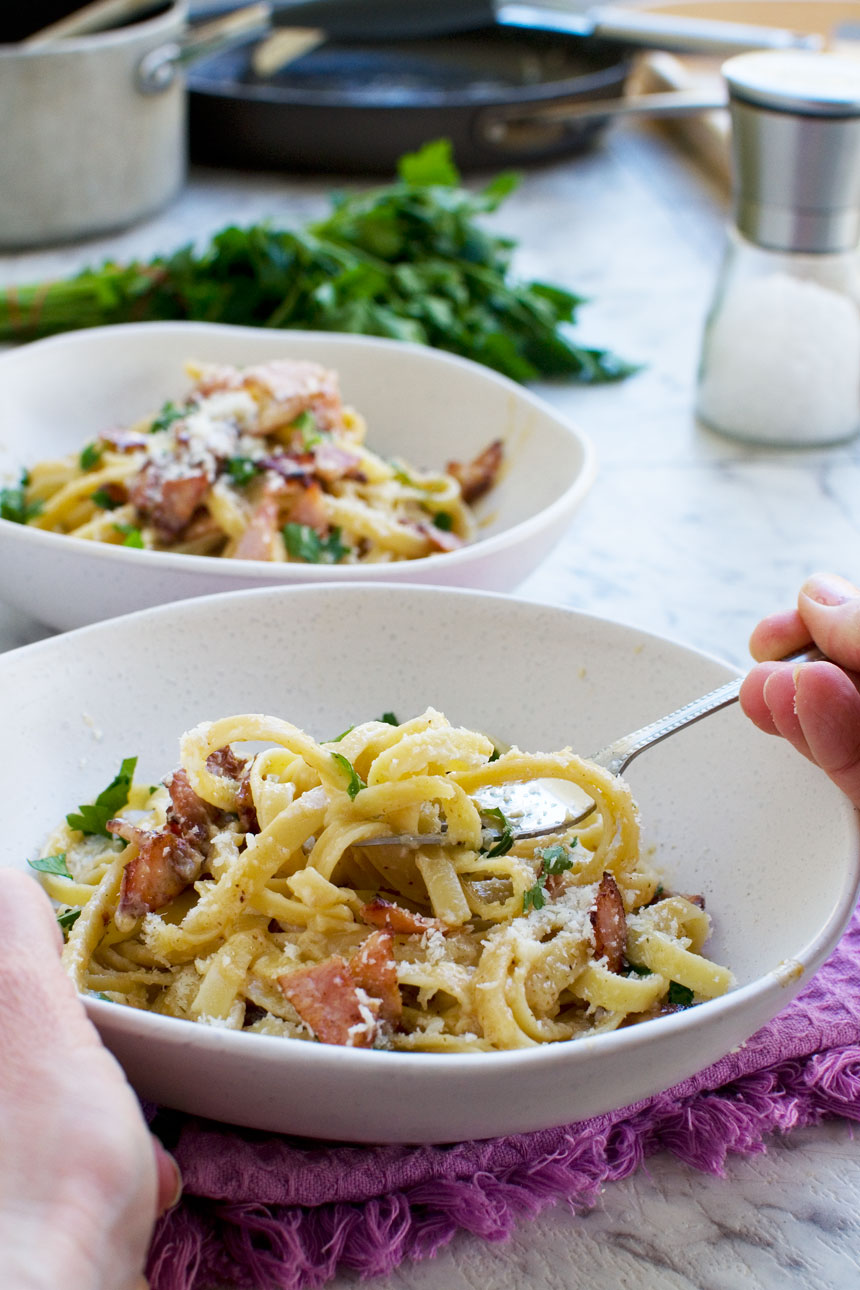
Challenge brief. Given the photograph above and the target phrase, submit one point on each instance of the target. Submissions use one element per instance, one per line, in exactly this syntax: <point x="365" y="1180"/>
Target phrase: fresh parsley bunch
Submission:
<point x="410" y="260"/>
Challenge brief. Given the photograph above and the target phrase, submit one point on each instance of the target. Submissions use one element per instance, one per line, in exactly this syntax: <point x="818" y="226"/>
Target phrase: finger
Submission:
<point x="778" y="635"/>
<point x="27" y="921"/>
<point x="779" y="692"/>
<point x="169" y="1178"/>
<point x="39" y="1006"/>
<point x="752" y="697"/>
<point x="830" y="609"/>
<point x="828" y="711"/>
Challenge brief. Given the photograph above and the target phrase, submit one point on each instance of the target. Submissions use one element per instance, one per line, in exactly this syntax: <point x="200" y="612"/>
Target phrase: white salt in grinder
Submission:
<point x="781" y="352"/>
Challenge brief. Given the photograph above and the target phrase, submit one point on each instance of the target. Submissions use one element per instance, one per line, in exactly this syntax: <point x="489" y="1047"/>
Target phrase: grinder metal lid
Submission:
<point x="796" y="149"/>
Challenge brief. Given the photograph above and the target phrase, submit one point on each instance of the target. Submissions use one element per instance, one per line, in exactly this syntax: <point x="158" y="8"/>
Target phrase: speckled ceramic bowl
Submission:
<point x="732" y="814"/>
<point x="420" y="404"/>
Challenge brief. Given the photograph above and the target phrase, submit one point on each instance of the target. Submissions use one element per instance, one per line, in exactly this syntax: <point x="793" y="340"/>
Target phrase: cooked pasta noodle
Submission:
<point x="263" y="463"/>
<point x="238" y="893"/>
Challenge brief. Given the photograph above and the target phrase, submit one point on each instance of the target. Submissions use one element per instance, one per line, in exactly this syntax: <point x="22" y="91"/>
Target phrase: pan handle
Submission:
<point x="644" y="28"/>
<point x="516" y="127"/>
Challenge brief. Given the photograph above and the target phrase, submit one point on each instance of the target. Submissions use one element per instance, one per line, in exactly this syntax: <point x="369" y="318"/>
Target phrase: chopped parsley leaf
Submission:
<point x="554" y="860"/>
<point x="444" y="521"/>
<point x="14" y="505"/>
<point x="356" y="783"/>
<point x="90" y="456"/>
<point x="495" y="754"/>
<point x="92" y="818"/>
<point x="343" y="734"/>
<point x="304" y="543"/>
<point x="101" y="497"/>
<point x="52" y="864"/>
<point x="534" y="897"/>
<point x="68" y="918"/>
<point x="306" y="424"/>
<point x="638" y="969"/>
<point x="505" y="839"/>
<point x="679" y="995"/>
<point x="131" y="535"/>
<point x="241" y="470"/>
<point x="389" y="719"/>
<point x="168" y="414"/>
<point x="100" y="994"/>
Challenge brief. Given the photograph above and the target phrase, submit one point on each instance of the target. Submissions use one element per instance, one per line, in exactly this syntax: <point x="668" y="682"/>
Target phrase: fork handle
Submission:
<point x="618" y="755"/>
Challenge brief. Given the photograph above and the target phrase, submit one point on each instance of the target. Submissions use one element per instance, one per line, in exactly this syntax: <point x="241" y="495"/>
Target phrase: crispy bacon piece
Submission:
<point x="289" y="467"/>
<point x="477" y="477"/>
<point x="225" y="762"/>
<point x="309" y="508"/>
<point x="188" y="815"/>
<point x="326" y="997"/>
<point x="165" y="864"/>
<point x="168" y="859"/>
<point x="610" y="924"/>
<point x="203" y="528"/>
<point x="247" y="811"/>
<point x="374" y="970"/>
<point x="169" y="503"/>
<point x="439" y="539"/>
<point x="258" y="540"/>
<point x="555" y="885"/>
<point x="283" y="389"/>
<point x="332" y="462"/>
<point x="394" y="918"/>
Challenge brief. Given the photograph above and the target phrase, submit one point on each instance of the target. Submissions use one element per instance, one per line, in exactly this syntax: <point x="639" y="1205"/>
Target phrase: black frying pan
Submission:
<point x="357" y="107"/>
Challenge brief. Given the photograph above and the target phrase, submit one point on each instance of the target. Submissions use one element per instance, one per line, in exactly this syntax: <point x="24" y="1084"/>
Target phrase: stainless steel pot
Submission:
<point x="83" y="150"/>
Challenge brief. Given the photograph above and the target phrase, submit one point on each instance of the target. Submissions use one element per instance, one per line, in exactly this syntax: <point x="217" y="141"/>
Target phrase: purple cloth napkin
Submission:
<point x="263" y="1212"/>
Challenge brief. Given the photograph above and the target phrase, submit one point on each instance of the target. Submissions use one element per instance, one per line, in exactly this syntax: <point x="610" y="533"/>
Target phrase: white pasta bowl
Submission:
<point x="420" y="404"/>
<point x="767" y="840"/>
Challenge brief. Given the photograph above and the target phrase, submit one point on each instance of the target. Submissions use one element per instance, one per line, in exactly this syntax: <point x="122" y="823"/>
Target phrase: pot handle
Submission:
<point x="158" y="69"/>
<point x="517" y="127"/>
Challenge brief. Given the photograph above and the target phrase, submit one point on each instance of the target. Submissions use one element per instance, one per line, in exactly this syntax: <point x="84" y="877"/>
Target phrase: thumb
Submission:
<point x="169" y="1178"/>
<point x="830" y="608"/>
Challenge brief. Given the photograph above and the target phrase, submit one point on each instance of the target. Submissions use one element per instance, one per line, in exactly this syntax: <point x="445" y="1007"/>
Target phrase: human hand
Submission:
<point x="81" y="1178"/>
<point x="815" y="706"/>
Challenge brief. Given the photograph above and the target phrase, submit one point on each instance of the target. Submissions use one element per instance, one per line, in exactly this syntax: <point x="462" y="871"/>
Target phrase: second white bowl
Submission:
<point x="420" y="404"/>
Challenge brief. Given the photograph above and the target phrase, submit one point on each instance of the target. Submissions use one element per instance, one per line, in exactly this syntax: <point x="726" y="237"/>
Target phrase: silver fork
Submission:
<point x="530" y="806"/>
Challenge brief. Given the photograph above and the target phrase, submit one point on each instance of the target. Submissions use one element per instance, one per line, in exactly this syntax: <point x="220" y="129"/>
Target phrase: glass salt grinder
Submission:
<point x="780" y="358"/>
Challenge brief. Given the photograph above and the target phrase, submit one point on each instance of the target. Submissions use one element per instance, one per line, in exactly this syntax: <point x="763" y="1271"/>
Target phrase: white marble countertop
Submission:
<point x="684" y="534"/>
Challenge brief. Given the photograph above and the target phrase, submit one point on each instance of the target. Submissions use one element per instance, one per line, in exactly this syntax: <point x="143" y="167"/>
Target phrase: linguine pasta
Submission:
<point x="261" y="463"/>
<point x="238" y="893"/>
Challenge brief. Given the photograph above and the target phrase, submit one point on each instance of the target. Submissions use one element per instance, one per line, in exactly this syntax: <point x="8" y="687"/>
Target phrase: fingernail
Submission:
<point x="169" y="1179"/>
<point x="829" y="589"/>
<point x="177" y="1185"/>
